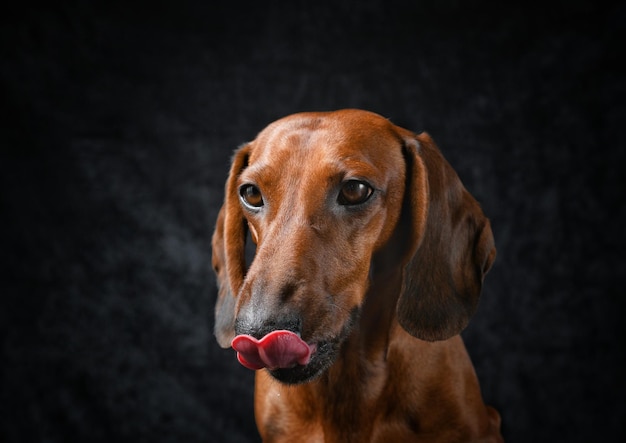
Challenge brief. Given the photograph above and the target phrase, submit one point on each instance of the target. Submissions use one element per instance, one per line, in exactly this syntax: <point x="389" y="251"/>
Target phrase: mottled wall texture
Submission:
<point x="117" y="124"/>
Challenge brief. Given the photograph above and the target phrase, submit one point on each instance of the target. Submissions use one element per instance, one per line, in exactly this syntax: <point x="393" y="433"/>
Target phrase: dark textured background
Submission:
<point x="117" y="125"/>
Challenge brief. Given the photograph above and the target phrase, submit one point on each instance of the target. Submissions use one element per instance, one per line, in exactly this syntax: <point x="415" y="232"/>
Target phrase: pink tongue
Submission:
<point x="278" y="349"/>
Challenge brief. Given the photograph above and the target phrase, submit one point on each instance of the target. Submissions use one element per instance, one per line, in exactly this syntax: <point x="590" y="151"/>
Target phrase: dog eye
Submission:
<point x="251" y="196"/>
<point x="354" y="192"/>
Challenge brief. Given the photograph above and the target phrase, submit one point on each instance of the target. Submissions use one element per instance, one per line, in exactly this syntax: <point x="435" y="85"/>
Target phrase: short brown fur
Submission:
<point x="388" y="284"/>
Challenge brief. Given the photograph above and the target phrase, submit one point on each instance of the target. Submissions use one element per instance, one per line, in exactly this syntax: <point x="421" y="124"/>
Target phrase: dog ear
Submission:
<point x="228" y="246"/>
<point x="451" y="247"/>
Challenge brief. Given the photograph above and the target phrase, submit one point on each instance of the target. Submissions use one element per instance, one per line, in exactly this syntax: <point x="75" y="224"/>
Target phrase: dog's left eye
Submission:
<point x="354" y="192"/>
<point x="251" y="196"/>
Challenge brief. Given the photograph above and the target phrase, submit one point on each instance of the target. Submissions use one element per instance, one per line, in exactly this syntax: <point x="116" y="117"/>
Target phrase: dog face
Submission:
<point x="319" y="194"/>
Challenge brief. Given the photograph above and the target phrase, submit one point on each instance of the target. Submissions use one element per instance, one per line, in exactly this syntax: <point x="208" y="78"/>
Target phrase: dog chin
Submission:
<point x="321" y="360"/>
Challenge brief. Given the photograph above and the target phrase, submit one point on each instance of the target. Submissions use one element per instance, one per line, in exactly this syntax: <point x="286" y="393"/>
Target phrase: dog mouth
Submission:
<point x="287" y="357"/>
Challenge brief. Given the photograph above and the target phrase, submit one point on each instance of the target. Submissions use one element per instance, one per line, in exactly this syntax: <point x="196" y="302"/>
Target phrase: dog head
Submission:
<point x="321" y="194"/>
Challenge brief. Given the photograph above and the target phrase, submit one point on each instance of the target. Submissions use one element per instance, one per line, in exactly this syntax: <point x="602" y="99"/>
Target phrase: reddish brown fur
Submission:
<point x="411" y="262"/>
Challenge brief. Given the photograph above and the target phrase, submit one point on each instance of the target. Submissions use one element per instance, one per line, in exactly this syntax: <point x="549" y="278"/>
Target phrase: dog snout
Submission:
<point x="271" y="296"/>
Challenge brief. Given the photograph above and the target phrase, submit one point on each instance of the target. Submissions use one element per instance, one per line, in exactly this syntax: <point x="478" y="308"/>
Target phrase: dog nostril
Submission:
<point x="287" y="291"/>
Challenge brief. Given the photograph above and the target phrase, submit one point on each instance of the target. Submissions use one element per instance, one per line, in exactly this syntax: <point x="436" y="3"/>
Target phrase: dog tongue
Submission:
<point x="278" y="349"/>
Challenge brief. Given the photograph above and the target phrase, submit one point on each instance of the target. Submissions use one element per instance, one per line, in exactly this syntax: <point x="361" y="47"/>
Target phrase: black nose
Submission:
<point x="258" y="324"/>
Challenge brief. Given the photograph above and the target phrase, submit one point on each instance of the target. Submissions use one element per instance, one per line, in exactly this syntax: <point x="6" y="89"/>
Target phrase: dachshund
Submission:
<point x="369" y="259"/>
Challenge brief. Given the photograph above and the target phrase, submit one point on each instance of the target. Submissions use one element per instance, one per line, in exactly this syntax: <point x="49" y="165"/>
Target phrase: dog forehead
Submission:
<point x="339" y="135"/>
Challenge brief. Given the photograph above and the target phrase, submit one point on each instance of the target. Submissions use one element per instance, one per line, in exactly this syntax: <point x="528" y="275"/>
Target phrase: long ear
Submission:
<point x="228" y="247"/>
<point x="452" y="243"/>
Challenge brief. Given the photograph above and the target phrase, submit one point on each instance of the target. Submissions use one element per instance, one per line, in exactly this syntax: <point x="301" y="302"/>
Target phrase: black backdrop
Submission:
<point x="117" y="126"/>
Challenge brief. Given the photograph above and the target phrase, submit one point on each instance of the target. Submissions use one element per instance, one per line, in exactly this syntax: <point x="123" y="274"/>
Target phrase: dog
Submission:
<point x="369" y="261"/>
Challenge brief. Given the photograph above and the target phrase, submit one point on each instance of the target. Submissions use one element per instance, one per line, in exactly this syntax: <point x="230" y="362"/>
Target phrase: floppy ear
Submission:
<point x="228" y="247"/>
<point x="452" y="247"/>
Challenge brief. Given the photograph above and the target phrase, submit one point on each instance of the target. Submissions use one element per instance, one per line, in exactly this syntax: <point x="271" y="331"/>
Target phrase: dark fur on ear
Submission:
<point x="452" y="247"/>
<point x="228" y="247"/>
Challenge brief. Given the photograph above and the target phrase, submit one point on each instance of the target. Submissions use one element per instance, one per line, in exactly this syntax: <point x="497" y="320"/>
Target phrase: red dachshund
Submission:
<point x="370" y="258"/>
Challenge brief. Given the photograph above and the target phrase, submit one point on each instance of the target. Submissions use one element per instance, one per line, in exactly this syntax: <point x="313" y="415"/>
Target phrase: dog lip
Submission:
<point x="322" y="356"/>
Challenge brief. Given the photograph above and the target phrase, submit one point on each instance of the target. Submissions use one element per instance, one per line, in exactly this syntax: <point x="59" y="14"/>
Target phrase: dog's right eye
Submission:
<point x="251" y="196"/>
